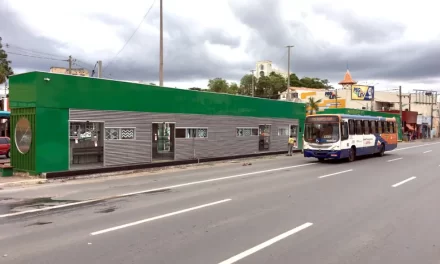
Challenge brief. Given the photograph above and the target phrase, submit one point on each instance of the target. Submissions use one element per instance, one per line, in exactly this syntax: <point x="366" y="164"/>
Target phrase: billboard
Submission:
<point x="362" y="92"/>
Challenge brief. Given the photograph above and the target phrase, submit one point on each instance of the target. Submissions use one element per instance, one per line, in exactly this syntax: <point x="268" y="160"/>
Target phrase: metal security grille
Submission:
<point x="24" y="161"/>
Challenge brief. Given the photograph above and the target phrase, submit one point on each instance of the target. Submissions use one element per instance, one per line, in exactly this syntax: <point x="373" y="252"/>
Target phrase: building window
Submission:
<point x="246" y="132"/>
<point x="283" y="131"/>
<point x="191" y="132"/>
<point x="116" y="133"/>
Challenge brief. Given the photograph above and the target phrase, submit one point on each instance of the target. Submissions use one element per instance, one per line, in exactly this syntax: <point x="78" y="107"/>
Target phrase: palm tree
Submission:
<point x="313" y="105"/>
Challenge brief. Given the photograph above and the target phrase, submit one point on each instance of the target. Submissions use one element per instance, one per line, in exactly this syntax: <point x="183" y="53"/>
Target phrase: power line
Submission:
<point x="146" y="14"/>
<point x="31" y="51"/>
<point x="37" y="57"/>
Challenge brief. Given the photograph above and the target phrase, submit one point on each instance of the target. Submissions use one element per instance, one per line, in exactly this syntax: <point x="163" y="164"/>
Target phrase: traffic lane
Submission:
<point x="231" y="235"/>
<point x="91" y="188"/>
<point x="358" y="233"/>
<point x="267" y="180"/>
<point x="359" y="162"/>
<point x="401" y="228"/>
<point x="267" y="197"/>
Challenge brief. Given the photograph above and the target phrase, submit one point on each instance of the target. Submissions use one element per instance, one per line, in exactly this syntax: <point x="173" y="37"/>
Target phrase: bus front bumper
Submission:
<point x="325" y="154"/>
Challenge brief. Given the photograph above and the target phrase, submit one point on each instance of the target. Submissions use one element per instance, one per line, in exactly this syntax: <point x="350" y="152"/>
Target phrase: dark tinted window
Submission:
<point x="373" y="127"/>
<point x="359" y="127"/>
<point x="351" y="127"/>
<point x="366" y="127"/>
<point x="3" y="141"/>
<point x="379" y="127"/>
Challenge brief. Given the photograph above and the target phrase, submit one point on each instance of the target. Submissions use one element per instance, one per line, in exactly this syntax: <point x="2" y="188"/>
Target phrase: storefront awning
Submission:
<point x="410" y="127"/>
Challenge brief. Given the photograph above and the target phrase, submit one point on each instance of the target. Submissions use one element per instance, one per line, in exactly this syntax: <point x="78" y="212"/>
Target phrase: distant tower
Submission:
<point x="263" y="68"/>
<point x="348" y="81"/>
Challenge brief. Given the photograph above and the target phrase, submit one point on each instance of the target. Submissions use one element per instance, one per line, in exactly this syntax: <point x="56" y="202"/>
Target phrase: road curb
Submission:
<point x="23" y="182"/>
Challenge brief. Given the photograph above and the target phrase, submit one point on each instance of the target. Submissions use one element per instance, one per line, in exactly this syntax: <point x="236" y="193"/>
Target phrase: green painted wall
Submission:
<point x="350" y="111"/>
<point x="52" y="139"/>
<point x="22" y="91"/>
<point x="64" y="91"/>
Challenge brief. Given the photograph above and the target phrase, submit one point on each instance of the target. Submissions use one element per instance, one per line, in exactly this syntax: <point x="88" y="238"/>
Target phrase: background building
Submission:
<point x="75" y="71"/>
<point x="264" y="68"/>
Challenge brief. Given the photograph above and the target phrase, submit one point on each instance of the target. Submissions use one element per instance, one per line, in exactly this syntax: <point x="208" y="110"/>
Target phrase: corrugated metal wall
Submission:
<point x="221" y="141"/>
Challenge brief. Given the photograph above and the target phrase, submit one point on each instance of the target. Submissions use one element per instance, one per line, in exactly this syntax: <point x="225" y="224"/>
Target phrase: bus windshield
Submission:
<point x="321" y="132"/>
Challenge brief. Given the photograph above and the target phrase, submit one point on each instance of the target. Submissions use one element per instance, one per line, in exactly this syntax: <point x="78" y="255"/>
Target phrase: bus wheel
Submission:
<point x="382" y="151"/>
<point x="352" y="155"/>
<point x="321" y="159"/>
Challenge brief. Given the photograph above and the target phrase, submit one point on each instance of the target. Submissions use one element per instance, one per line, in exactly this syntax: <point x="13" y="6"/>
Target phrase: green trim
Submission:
<point x="19" y="160"/>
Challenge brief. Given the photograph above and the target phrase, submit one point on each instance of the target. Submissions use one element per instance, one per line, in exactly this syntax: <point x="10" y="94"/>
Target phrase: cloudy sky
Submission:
<point x="388" y="43"/>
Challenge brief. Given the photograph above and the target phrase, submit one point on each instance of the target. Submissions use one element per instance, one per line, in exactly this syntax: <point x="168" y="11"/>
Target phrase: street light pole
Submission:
<point x="253" y="89"/>
<point x="161" y="46"/>
<point x="288" y="71"/>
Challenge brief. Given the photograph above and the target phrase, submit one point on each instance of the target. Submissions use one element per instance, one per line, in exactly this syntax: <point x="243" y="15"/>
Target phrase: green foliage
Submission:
<point x="313" y="105"/>
<point x="5" y="69"/>
<point x="266" y="86"/>
<point x="218" y="85"/>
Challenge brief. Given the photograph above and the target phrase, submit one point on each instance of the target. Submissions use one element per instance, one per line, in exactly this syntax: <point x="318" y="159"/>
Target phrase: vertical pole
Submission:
<point x="288" y="72"/>
<point x="253" y="85"/>
<point x="70" y="65"/>
<point x="400" y="106"/>
<point x="432" y="112"/>
<point x="99" y="69"/>
<point x="409" y="101"/>
<point x="336" y="89"/>
<point x="161" y="46"/>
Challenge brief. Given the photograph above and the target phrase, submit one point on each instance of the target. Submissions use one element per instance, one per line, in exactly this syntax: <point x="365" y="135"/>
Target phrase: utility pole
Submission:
<point x="400" y="105"/>
<point x="161" y="46"/>
<point x="70" y="64"/>
<point x="253" y="86"/>
<point x="99" y="69"/>
<point x="336" y="90"/>
<point x="288" y="71"/>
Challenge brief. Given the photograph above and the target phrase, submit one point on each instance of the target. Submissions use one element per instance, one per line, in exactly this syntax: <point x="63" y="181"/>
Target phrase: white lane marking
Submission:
<point x="265" y="244"/>
<point x="336" y="173"/>
<point x="418" y="146"/>
<point x="155" y="189"/>
<point x="427" y="151"/>
<point x="157" y="217"/>
<point x="402" y="182"/>
<point x="394" y="159"/>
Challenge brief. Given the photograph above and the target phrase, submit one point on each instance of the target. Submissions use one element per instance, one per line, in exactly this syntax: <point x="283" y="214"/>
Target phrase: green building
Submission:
<point x="62" y="122"/>
<point x="350" y="111"/>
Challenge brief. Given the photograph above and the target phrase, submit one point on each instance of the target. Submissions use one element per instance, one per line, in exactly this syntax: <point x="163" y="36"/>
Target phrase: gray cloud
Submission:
<point x="186" y="57"/>
<point x="363" y="28"/>
<point x="375" y="52"/>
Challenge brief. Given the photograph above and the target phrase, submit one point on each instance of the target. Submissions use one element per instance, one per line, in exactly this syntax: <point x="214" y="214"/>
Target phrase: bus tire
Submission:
<point x="382" y="150"/>
<point x="352" y="154"/>
<point x="321" y="159"/>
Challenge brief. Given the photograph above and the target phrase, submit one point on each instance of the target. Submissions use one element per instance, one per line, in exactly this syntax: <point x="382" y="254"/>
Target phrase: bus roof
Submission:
<point x="359" y="117"/>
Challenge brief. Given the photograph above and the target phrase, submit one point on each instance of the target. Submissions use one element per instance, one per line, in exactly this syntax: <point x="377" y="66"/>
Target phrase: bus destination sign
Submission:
<point x="316" y="119"/>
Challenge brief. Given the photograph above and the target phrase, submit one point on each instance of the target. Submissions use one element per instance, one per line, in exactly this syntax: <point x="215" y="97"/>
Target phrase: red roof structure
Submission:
<point x="347" y="79"/>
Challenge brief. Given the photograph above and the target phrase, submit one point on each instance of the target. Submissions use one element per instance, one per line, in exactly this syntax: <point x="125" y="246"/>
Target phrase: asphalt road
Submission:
<point x="282" y="210"/>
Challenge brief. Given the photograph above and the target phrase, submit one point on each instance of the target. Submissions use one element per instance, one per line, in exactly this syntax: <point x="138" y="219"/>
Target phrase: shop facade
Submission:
<point x="61" y="122"/>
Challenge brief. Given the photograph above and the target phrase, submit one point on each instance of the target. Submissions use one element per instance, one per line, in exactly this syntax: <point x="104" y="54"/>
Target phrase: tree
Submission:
<point x="233" y="88"/>
<point x="313" y="105"/>
<point x="5" y="69"/>
<point x="218" y="85"/>
<point x="294" y="81"/>
<point x="278" y="83"/>
<point x="263" y="87"/>
<point x="246" y="84"/>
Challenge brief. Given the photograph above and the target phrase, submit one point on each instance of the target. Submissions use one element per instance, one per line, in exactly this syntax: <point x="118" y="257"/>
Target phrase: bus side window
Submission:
<point x="344" y="131"/>
<point x="385" y="127"/>
<point x="366" y="127"/>
<point x="379" y="127"/>
<point x="351" y="127"/>
<point x="358" y="127"/>
<point x="373" y="127"/>
<point x="391" y="127"/>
